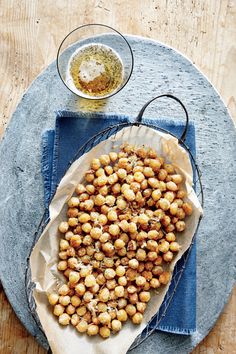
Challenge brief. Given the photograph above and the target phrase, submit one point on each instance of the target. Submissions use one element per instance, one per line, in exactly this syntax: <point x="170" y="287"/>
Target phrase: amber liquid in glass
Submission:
<point x="96" y="70"/>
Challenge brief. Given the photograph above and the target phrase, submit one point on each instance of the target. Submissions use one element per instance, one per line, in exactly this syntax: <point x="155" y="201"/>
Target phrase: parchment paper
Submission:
<point x="44" y="258"/>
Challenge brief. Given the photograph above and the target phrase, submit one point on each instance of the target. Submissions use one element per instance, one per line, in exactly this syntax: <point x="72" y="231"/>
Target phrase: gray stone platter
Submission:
<point x="158" y="69"/>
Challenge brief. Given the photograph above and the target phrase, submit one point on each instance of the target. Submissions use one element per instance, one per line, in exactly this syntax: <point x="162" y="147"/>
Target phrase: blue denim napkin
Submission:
<point x="59" y="148"/>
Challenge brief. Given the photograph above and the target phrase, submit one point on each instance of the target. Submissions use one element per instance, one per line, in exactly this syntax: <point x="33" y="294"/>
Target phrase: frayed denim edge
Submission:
<point x="176" y="330"/>
<point x="45" y="167"/>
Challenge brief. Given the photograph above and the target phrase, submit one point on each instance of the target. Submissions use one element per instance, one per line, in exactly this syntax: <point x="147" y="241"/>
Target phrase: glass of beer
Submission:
<point x="95" y="61"/>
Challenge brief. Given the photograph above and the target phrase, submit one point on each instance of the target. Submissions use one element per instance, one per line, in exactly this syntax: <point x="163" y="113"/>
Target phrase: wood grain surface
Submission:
<point x="30" y="33"/>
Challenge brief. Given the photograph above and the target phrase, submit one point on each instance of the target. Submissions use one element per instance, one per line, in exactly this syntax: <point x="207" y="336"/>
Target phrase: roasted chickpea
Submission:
<point x="113" y="156"/>
<point x="88" y="296"/>
<point x="119" y="291"/>
<point x="82" y="326"/>
<point x="164" y="278"/>
<point x="70" y="310"/>
<point x="90" y="250"/>
<point x="104" y="318"/>
<point x="180" y="226"/>
<point x="62" y="265"/>
<point x="152" y="256"/>
<point x="104" y="159"/>
<point x="174" y="247"/>
<point x="144" y="296"/>
<point x="148" y="172"/>
<point x="74" y="277"/>
<point x="86" y="260"/>
<point x="80" y="289"/>
<point x="187" y="207"/>
<point x="90" y="189"/>
<point x="116" y="325"/>
<point x="181" y="194"/>
<point x="95" y="164"/>
<point x="180" y="213"/>
<point x="74" y="319"/>
<point x="170" y="228"/>
<point x="104" y="237"/>
<point x="177" y="179"/>
<point x="114" y="229"/>
<point x="75" y="241"/>
<point x="103" y="190"/>
<point x="168" y="256"/>
<point x="129" y="194"/>
<point x="58" y="310"/>
<point x="99" y="256"/>
<point x="150" y="264"/>
<point x="92" y="330"/>
<point x="64" y="289"/>
<point x="152" y="245"/>
<point x="166" y="220"/>
<point x="121" y="204"/>
<point x="109" y="273"/>
<point x="63" y="227"/>
<point x="130" y="309"/>
<point x="116" y="188"/>
<point x="108" y="262"/>
<point x="137" y="318"/>
<point x="133" y="298"/>
<point x="163" y="246"/>
<point x="122" y="281"/>
<point x="143" y="219"/>
<point x="109" y="170"/>
<point x="112" y="179"/>
<point x="164" y="204"/>
<point x="140" y="280"/>
<point x="104" y="332"/>
<point x="133" y="263"/>
<point x="141" y="255"/>
<point x="101" y="279"/>
<point x="118" y="244"/>
<point x="173" y="208"/>
<point x="81" y="311"/>
<point x="88" y="204"/>
<point x="89" y="176"/>
<point x="122" y="315"/>
<point x="53" y="298"/>
<point x="83" y="197"/>
<point x="112" y="215"/>
<point x="141" y="306"/>
<point x="84" y="218"/>
<point x="64" y="319"/>
<point x="99" y="200"/>
<point x="90" y="280"/>
<point x="104" y="295"/>
<point x="155" y="164"/>
<point x="96" y="232"/>
<point x="85" y="271"/>
<point x="64" y="300"/>
<point x="72" y="212"/>
<point x="171" y="186"/>
<point x="170" y="236"/>
<point x="110" y="200"/>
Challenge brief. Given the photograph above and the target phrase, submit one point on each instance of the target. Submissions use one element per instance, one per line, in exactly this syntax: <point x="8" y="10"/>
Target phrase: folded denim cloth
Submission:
<point x="59" y="148"/>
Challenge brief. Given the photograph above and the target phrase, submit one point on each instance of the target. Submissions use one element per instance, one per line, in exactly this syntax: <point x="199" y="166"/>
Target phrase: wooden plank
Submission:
<point x="31" y="32"/>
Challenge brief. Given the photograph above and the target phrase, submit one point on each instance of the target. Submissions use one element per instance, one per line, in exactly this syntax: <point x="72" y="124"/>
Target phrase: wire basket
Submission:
<point x="93" y="141"/>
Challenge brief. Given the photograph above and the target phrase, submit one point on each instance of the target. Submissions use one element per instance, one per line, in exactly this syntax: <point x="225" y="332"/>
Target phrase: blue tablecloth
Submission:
<point x="59" y="148"/>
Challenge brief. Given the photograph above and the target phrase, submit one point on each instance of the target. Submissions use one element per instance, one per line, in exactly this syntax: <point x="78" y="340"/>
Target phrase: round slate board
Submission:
<point x="158" y="69"/>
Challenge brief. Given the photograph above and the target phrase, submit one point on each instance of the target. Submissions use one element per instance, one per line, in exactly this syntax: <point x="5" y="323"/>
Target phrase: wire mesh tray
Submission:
<point x="92" y="142"/>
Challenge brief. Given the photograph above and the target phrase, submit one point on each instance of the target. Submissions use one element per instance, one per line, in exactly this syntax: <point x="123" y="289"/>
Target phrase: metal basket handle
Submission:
<point x="140" y="115"/>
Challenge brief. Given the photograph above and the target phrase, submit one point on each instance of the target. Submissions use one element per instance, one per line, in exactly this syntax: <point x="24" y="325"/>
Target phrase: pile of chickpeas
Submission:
<point x="119" y="239"/>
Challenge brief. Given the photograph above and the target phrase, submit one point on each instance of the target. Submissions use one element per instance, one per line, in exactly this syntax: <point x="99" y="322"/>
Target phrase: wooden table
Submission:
<point x="31" y="31"/>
